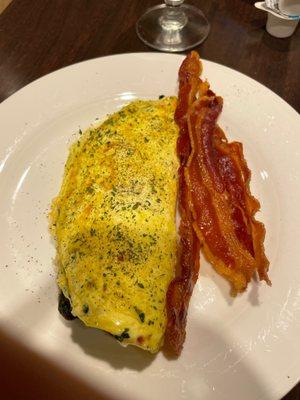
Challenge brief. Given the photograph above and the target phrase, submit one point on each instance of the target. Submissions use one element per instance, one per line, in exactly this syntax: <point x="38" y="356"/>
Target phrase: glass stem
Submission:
<point x="173" y="18"/>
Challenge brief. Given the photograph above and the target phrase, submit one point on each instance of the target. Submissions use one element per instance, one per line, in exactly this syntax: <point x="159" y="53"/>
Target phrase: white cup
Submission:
<point x="279" y="27"/>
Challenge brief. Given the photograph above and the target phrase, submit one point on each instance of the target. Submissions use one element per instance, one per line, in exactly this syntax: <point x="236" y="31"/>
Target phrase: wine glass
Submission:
<point x="172" y="26"/>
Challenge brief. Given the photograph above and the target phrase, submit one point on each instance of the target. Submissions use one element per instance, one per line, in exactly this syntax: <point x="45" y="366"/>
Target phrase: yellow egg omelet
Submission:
<point x="114" y="223"/>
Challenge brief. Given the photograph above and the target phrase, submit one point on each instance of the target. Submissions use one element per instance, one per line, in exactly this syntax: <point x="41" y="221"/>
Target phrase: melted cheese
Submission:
<point x="114" y="223"/>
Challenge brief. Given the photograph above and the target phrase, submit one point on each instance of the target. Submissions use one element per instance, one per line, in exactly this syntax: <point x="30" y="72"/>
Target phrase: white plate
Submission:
<point x="246" y="348"/>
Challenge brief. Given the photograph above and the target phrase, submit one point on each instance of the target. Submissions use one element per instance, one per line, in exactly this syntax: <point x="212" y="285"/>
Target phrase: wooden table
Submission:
<point x="40" y="36"/>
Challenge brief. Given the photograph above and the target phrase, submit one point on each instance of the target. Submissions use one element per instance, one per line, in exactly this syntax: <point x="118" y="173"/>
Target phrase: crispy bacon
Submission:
<point x="180" y="289"/>
<point x="222" y="206"/>
<point x="218" y="198"/>
<point x="216" y="206"/>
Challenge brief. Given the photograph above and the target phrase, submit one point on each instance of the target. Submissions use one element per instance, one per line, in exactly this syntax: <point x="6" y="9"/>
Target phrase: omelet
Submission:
<point x="114" y="223"/>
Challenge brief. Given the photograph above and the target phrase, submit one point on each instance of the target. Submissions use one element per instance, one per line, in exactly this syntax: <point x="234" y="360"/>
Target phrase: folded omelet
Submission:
<point x="114" y="223"/>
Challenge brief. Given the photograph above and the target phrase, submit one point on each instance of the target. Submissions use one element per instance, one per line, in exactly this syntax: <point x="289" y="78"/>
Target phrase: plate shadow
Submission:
<point x="102" y="346"/>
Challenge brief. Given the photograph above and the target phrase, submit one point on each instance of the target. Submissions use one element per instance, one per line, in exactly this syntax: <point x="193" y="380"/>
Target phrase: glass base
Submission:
<point x="172" y="29"/>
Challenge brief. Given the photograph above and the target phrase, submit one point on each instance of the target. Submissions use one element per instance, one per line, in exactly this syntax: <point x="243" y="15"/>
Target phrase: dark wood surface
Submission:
<point x="40" y="36"/>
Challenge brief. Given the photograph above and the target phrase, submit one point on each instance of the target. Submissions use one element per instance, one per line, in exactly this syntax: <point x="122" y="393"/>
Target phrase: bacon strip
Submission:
<point x="220" y="200"/>
<point x="215" y="203"/>
<point x="181" y="288"/>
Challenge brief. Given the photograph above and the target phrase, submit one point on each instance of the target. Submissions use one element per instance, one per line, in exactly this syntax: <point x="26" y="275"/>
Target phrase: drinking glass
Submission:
<point x="173" y="26"/>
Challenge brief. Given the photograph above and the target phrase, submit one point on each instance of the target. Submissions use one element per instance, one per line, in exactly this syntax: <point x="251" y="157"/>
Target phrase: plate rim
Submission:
<point x="143" y="53"/>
